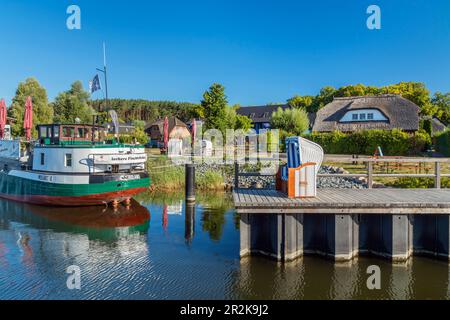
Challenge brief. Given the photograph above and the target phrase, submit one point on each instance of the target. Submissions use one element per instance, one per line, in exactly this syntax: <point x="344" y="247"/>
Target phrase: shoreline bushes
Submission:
<point x="392" y="142"/>
<point x="442" y="142"/>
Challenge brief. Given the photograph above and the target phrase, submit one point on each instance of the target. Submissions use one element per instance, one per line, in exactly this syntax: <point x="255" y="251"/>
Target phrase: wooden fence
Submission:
<point x="395" y="162"/>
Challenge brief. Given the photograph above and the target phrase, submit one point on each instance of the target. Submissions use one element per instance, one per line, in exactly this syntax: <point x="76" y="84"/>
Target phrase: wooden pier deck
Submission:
<point x="346" y="201"/>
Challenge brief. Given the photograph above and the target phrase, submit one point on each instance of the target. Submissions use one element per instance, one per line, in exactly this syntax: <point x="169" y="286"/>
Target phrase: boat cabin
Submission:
<point x="70" y="133"/>
<point x="83" y="148"/>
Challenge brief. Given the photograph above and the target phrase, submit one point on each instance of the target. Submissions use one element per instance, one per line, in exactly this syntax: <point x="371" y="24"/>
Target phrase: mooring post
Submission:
<point x="236" y="175"/>
<point x="437" y="175"/>
<point x="189" y="223"/>
<point x="190" y="182"/>
<point x="369" y="174"/>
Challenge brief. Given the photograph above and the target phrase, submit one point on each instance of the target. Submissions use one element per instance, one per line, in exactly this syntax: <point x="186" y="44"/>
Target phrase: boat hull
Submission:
<point x="70" y="194"/>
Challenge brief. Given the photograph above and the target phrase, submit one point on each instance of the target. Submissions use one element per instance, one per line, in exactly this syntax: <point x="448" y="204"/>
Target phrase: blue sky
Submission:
<point x="262" y="51"/>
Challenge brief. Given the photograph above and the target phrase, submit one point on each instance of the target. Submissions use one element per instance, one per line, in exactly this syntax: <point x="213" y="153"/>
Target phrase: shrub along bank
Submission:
<point x="442" y="142"/>
<point x="393" y="142"/>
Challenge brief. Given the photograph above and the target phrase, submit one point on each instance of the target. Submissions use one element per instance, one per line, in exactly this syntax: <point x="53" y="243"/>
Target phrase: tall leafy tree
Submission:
<point x="214" y="104"/>
<point x="442" y="103"/>
<point x="42" y="111"/>
<point x="291" y="121"/>
<point x="72" y="104"/>
<point x="301" y="102"/>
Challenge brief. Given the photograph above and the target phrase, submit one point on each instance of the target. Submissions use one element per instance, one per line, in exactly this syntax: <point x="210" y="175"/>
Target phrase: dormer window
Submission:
<point x="363" y="115"/>
<point x="252" y="115"/>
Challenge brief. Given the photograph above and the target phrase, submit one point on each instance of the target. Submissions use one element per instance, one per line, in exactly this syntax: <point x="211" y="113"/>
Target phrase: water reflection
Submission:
<point x="189" y="223"/>
<point x="97" y="222"/>
<point x="317" y="278"/>
<point x="188" y="251"/>
<point x="213" y="206"/>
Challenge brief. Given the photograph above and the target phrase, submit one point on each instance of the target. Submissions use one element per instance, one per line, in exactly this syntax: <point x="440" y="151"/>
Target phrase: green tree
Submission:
<point x="324" y="97"/>
<point x="73" y="104"/>
<point x="243" y="122"/>
<point x="301" y="102"/>
<point x="214" y="104"/>
<point x="233" y="120"/>
<point x="42" y="111"/>
<point x="149" y="111"/>
<point x="139" y="124"/>
<point x="415" y="92"/>
<point x="441" y="101"/>
<point x="291" y="121"/>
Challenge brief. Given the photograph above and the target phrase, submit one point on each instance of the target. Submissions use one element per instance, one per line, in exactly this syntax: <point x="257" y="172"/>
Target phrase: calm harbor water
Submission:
<point x="159" y="249"/>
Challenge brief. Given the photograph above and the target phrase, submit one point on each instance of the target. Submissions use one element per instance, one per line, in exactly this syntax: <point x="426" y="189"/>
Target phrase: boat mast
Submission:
<point x="105" y="74"/>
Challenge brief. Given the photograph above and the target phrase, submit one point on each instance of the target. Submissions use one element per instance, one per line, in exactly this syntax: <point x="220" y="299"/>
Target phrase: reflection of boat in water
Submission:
<point x="175" y="208"/>
<point x="103" y="223"/>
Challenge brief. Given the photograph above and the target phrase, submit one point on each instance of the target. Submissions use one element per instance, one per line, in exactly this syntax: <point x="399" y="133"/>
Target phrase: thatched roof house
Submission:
<point x="177" y="129"/>
<point x="350" y="114"/>
<point x="437" y="125"/>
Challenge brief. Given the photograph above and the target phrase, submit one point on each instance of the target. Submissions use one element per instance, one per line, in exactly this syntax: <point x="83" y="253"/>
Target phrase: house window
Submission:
<point x="42" y="159"/>
<point x="355" y="116"/>
<point x="362" y="116"/>
<point x="68" y="159"/>
<point x="370" y="116"/>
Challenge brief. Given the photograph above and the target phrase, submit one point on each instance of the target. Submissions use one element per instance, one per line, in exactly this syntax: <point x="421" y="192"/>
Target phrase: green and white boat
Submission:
<point x="72" y="165"/>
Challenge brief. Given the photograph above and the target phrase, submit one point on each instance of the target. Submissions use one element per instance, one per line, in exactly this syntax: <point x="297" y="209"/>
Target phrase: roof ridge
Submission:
<point x="386" y="95"/>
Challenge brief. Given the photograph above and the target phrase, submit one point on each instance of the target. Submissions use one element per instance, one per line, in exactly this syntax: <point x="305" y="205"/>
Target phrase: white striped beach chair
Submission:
<point x="298" y="178"/>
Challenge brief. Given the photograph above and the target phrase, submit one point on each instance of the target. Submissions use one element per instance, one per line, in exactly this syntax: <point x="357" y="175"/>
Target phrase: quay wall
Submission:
<point x="342" y="237"/>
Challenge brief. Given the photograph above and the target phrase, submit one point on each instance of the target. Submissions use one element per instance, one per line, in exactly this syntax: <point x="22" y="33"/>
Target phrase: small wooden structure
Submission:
<point x="298" y="178"/>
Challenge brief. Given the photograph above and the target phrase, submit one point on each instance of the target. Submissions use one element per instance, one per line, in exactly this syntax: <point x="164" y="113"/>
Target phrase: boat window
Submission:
<point x="362" y="116"/>
<point x="43" y="132"/>
<point x="355" y="116"/>
<point x="42" y="159"/>
<point x="56" y="131"/>
<point x="69" y="132"/>
<point x="68" y="160"/>
<point x="370" y="116"/>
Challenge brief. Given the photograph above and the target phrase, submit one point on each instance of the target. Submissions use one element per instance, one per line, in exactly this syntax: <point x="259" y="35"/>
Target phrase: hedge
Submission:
<point x="392" y="142"/>
<point x="442" y="143"/>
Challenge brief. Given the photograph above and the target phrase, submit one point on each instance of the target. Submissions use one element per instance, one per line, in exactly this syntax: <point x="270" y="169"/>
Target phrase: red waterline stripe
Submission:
<point x="88" y="200"/>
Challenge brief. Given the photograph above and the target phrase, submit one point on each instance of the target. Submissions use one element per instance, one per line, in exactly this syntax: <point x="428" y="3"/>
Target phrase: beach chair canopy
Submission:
<point x="300" y="150"/>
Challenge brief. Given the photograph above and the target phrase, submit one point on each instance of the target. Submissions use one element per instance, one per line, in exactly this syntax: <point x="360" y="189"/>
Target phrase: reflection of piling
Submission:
<point x="190" y="182"/>
<point x="189" y="223"/>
